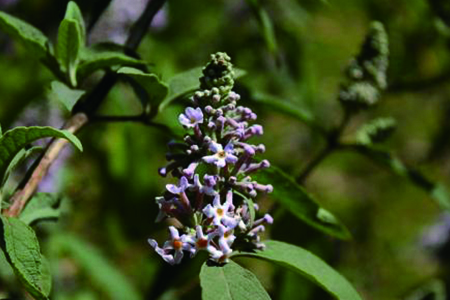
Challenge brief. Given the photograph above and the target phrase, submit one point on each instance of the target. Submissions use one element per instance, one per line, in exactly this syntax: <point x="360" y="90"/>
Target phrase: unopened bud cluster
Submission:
<point x="366" y="74"/>
<point x="213" y="198"/>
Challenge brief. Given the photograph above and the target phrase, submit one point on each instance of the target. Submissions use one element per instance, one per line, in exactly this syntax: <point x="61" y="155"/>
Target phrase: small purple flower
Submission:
<point x="208" y="188"/>
<point x="219" y="213"/>
<point x="176" y="190"/>
<point x="172" y="251"/>
<point x="191" y="117"/>
<point x="203" y="242"/>
<point x="221" y="156"/>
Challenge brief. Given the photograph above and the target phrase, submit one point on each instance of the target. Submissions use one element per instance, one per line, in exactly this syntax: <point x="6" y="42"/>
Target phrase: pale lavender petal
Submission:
<point x="184" y="121"/>
<point x="215" y="147"/>
<point x="231" y="159"/>
<point x="173" y="188"/>
<point x="209" y="211"/>
<point x="210" y="159"/>
<point x="174" y="233"/>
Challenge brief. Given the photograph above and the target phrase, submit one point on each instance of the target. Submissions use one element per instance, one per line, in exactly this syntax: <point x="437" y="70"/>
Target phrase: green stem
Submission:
<point x="332" y="145"/>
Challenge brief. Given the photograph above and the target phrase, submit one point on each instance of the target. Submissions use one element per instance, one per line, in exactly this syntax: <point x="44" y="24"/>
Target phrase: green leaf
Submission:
<point x="287" y="108"/>
<point x="68" y="48"/>
<point x="156" y="90"/>
<point x="32" y="37"/>
<point x="102" y="273"/>
<point x="298" y="202"/>
<point x="18" y="138"/>
<point x="230" y="282"/>
<point x="19" y="158"/>
<point x="22" y="249"/>
<point x="73" y="12"/>
<point x="265" y="25"/>
<point x="187" y="82"/>
<point x="99" y="57"/>
<point x="308" y="265"/>
<point x="437" y="191"/>
<point x="41" y="206"/>
<point x="64" y="94"/>
<point x="434" y="287"/>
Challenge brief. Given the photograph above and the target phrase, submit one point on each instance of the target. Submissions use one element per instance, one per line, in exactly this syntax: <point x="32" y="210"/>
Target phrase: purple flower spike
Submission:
<point x="214" y="165"/>
<point x="221" y="156"/>
<point x="191" y="117"/>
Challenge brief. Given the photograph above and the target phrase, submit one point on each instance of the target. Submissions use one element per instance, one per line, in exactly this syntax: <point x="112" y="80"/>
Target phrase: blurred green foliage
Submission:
<point x="300" y="57"/>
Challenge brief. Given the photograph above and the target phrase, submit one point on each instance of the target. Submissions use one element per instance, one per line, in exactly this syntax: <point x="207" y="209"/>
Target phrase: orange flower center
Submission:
<point x="177" y="244"/>
<point x="202" y="243"/>
<point x="221" y="154"/>
<point x="220" y="212"/>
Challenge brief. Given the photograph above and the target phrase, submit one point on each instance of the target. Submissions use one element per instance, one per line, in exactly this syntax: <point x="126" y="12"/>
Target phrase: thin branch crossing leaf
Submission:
<point x="18" y="138"/>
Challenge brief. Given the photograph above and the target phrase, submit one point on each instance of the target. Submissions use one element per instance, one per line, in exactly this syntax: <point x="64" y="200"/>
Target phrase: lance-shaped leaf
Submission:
<point x="19" y="158"/>
<point x="187" y="82"/>
<point x="73" y="12"/>
<point x="68" y="47"/>
<point x="100" y="57"/>
<point x="64" y="94"/>
<point x="437" y="191"/>
<point x="18" y="138"/>
<point x="230" y="282"/>
<point x="287" y="108"/>
<point x="41" y="206"/>
<point x="265" y="25"/>
<point x="308" y="265"/>
<point x="297" y="201"/>
<point x="32" y="37"/>
<point x="155" y="89"/>
<point x="22" y="250"/>
<point x="102" y="274"/>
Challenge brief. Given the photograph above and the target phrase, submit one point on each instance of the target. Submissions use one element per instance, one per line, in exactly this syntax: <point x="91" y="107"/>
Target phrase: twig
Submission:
<point x="21" y="197"/>
<point x="332" y="145"/>
<point x="81" y="114"/>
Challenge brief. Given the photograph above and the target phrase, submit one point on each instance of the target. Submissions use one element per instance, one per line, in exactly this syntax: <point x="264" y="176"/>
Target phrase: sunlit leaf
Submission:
<point x="308" y="265"/>
<point x="230" y="282"/>
<point x="22" y="249"/>
<point x="297" y="201"/>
